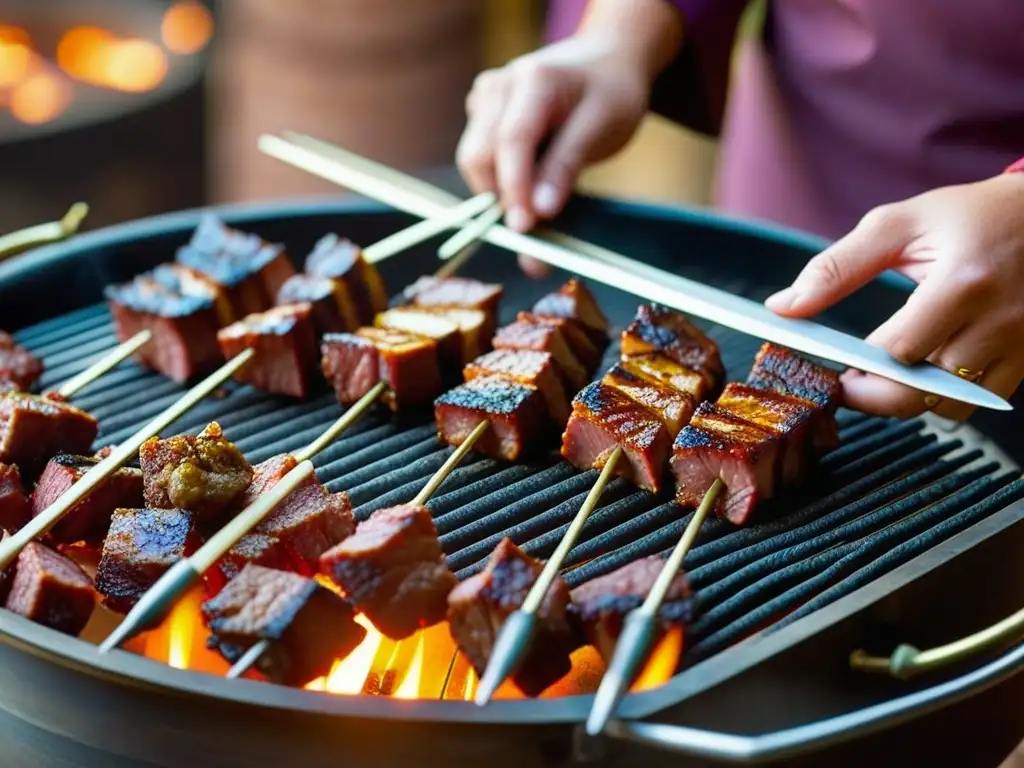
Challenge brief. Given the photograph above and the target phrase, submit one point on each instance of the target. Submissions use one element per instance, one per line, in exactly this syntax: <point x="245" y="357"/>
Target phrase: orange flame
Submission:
<point x="16" y="60"/>
<point x="186" y="27"/>
<point x="664" y="660"/>
<point x="96" y="56"/>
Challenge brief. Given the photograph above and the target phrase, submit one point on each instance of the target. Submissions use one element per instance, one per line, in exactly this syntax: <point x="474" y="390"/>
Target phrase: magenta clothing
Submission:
<point x="843" y="105"/>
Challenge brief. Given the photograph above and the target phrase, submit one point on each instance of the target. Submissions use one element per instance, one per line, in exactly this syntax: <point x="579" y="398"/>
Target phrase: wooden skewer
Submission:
<point x="428" y="228"/>
<point x="115" y="357"/>
<point x="470" y="234"/>
<point x="41" y="234"/>
<point x="42" y="523"/>
<point x="639" y="627"/>
<point x="518" y="629"/>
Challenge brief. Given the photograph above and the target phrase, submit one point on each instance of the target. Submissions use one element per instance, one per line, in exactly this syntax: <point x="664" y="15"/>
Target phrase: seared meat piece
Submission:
<point x="18" y="366"/>
<point x="328" y="312"/>
<point x="351" y="364"/>
<point x="601" y="605"/>
<point x="516" y="412"/>
<point x="525" y="367"/>
<point x="202" y="474"/>
<point x="285" y="344"/>
<point x="662" y="370"/>
<point x="357" y="281"/>
<point x="89" y="519"/>
<point x="659" y="329"/>
<point x="604" y="418"/>
<point x="673" y="407"/>
<point x="141" y="546"/>
<point x="532" y="335"/>
<point x="14" y="507"/>
<point x="307" y="625"/>
<point x="393" y="570"/>
<point x="474" y="324"/>
<point x="181" y="312"/>
<point x="33" y="429"/>
<point x="586" y="351"/>
<point x="720" y="445"/>
<point x="247" y="269"/>
<point x="51" y="589"/>
<point x="574" y="302"/>
<point x="455" y="292"/>
<point x="781" y="370"/>
<point x="478" y="607"/>
<point x="442" y="331"/>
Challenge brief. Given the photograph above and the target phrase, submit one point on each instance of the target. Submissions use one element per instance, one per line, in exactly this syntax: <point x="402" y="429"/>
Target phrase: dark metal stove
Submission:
<point x="911" y="533"/>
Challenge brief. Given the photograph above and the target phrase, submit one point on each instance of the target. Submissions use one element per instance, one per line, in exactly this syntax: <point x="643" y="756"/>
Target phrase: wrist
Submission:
<point x="645" y="35"/>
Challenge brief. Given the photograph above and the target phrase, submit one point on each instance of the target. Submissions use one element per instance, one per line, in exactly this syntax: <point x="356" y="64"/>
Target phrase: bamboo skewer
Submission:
<point x="470" y="234"/>
<point x="111" y="360"/>
<point x="639" y="627"/>
<point x="428" y="228"/>
<point x="18" y="242"/>
<point x="42" y="523"/>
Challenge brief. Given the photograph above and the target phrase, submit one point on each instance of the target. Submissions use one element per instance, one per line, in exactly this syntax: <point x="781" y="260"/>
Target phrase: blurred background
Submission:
<point x="145" y="106"/>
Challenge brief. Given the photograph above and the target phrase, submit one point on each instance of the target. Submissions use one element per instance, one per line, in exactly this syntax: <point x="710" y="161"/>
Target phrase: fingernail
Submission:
<point x="784" y="299"/>
<point x="517" y="219"/>
<point x="545" y="198"/>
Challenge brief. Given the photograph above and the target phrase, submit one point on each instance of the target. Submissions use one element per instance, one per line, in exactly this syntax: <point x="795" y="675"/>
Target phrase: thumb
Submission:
<point x="870" y="248"/>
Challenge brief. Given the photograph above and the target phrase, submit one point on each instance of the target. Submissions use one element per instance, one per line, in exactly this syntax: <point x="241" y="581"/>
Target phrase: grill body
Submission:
<point x="910" y="535"/>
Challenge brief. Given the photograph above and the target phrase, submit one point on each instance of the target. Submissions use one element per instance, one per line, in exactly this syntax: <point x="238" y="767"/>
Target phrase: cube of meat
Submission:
<point x="33" y="429"/>
<point x="720" y="445"/>
<point x="358" y="282"/>
<point x="442" y="331"/>
<point x="307" y="625"/>
<point x="516" y="412"/>
<point x="478" y="607"/>
<point x="202" y="474"/>
<point x="657" y="329"/>
<point x="673" y="407"/>
<point x="247" y="269"/>
<point x="141" y="546"/>
<point x="603" y="418"/>
<point x="602" y="604"/>
<point x="285" y="343"/>
<point x="88" y="520"/>
<point x="586" y="351"/>
<point x="51" y="589"/>
<point x="181" y="312"/>
<point x="328" y="312"/>
<point x="573" y="301"/>
<point x="18" y="366"/>
<point x="455" y="292"/>
<point x="392" y="569"/>
<point x="525" y="367"/>
<point x="14" y="506"/>
<point x="538" y="337"/>
<point x="659" y="369"/>
<point x="474" y="324"/>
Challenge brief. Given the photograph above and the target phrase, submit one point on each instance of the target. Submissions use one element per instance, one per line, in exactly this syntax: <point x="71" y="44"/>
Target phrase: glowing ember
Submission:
<point x="40" y="98"/>
<point x="186" y="27"/>
<point x="16" y="61"/>
<point x="97" y="57"/>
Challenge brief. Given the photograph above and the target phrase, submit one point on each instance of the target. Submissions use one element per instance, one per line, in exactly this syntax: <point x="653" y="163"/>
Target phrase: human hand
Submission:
<point x="964" y="246"/>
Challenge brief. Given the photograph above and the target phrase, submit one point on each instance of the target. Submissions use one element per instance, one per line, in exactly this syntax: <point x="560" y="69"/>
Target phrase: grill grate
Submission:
<point x="890" y="491"/>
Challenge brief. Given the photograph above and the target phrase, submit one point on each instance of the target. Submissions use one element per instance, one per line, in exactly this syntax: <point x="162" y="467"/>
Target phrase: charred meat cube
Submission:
<point x="51" y="589"/>
<point x="88" y="520"/>
<point x="141" y="546"/>
<point x="18" y="366"/>
<point x="392" y="569"/>
<point x="439" y="329"/>
<point x="516" y="412"/>
<point x="458" y="293"/>
<point x="33" y="429"/>
<point x="603" y="418"/>
<point x="657" y="329"/>
<point x="586" y="351"/>
<point x="351" y="364"/>
<point x="285" y="343"/>
<point x="721" y="445"/>
<point x="601" y="605"/>
<point x="673" y="407"/>
<point x="661" y="370"/>
<point x="15" y="509"/>
<point x="247" y="269"/>
<point x="478" y="607"/>
<point x="474" y="325"/>
<point x="525" y="367"/>
<point x="357" y="281"/>
<point x="202" y="474"/>
<point x="183" y="315"/>
<point x="307" y="625"/>
<point x="255" y="549"/>
<point x="539" y="337"/>
<point x="574" y="302"/>
<point x="328" y="312"/>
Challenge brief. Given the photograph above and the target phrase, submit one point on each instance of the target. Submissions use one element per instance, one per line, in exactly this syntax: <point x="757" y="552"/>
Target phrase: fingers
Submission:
<point x="533" y="268"/>
<point x="485" y="106"/>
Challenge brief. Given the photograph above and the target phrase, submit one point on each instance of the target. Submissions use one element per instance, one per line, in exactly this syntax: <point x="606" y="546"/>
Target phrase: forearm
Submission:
<point x="648" y="33"/>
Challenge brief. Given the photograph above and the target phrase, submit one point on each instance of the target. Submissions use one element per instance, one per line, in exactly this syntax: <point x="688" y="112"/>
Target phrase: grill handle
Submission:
<point x="792" y="742"/>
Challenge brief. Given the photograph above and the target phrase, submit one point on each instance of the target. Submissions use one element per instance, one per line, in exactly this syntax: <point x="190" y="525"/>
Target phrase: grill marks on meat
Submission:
<point x="670" y="333"/>
<point x="33" y="429"/>
<point x="478" y="607"/>
<point x="18" y="368"/>
<point x="51" y="589"/>
<point x="15" y="509"/>
<point x="358" y="283"/>
<point x="536" y="369"/>
<point x="202" y="474"/>
<point x="307" y="625"/>
<point x="534" y="336"/>
<point x="455" y="292"/>
<point x="89" y="519"/>
<point x="393" y="571"/>
<point x="601" y="605"/>
<point x="672" y="407"/>
<point x="328" y="311"/>
<point x="443" y="332"/>
<point x="284" y="340"/>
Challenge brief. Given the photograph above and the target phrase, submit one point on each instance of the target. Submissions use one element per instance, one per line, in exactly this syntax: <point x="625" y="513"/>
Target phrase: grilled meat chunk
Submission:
<point x="182" y="312"/>
<point x="516" y="412"/>
<point x="604" y="418"/>
<point x="442" y="331"/>
<point x="474" y="325"/>
<point x="18" y="366"/>
<point x="478" y="607"/>
<point x="327" y="311"/>
<point x="33" y="429"/>
<point x="141" y="546"/>
<point x="88" y="520"/>
<point x="351" y="364"/>
<point x="202" y="474"/>
<point x="358" y="283"/>
<point x="586" y="351"/>
<point x="656" y="329"/>
<point x="51" y="589"/>
<point x="720" y="445"/>
<point x="532" y="335"/>
<point x="307" y="625"/>
<point x="15" y="509"/>
<point x="455" y="292"/>
<point x="393" y="570"/>
<point x="285" y="343"/>
<point x="661" y="370"/>
<point x="673" y="407"/>
<point x="574" y="302"/>
<point x="536" y="369"/>
<point x="602" y="604"/>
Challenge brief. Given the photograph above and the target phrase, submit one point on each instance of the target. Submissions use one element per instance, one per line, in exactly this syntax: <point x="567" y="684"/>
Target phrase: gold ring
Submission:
<point x="968" y="374"/>
<point x="932" y="401"/>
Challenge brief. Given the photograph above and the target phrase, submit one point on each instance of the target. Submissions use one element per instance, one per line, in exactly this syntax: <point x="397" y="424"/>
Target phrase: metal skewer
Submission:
<point x="115" y="357"/>
<point x="639" y="627"/>
<point x="18" y="242"/>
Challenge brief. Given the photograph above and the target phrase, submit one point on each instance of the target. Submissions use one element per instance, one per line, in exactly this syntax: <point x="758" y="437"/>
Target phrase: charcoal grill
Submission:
<point x="911" y="533"/>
